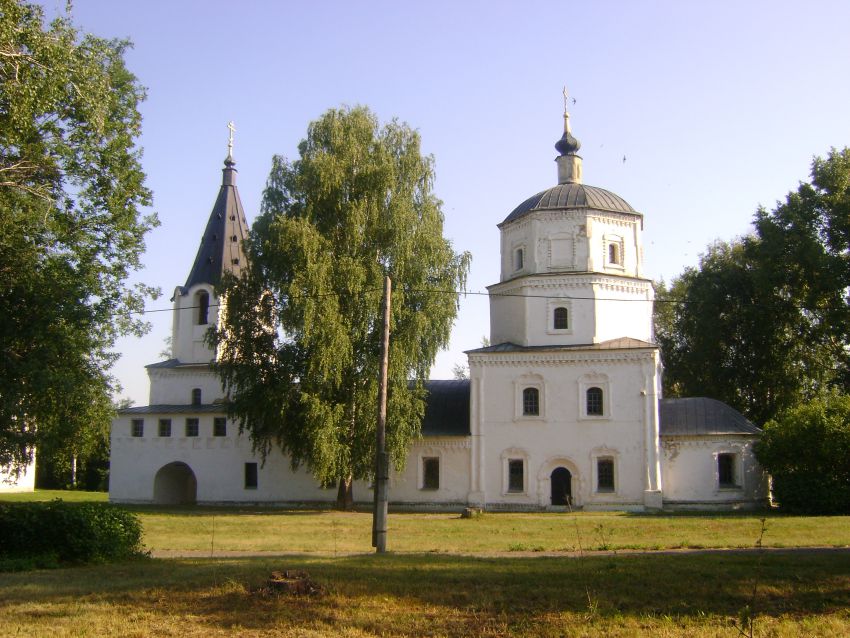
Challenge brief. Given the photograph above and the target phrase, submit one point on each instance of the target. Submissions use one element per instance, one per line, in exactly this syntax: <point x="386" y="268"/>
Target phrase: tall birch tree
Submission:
<point x="299" y="343"/>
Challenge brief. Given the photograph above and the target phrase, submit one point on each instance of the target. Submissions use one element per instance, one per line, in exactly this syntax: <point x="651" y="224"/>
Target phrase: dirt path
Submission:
<point x="177" y="553"/>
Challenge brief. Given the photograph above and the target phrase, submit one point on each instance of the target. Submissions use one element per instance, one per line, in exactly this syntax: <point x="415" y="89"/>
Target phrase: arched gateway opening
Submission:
<point x="562" y="486"/>
<point x="175" y="484"/>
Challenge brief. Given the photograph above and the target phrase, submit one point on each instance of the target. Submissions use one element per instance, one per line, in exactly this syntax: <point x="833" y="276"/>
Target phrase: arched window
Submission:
<point x="203" y="308"/>
<point x="614" y="254"/>
<point x="560" y="318"/>
<point x="518" y="259"/>
<point x="531" y="402"/>
<point x="594" y="401"/>
<point x="196" y="396"/>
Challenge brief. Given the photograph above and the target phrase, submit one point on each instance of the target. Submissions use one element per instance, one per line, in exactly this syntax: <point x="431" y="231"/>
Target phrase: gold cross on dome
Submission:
<point x="565" y="100"/>
<point x="232" y="128"/>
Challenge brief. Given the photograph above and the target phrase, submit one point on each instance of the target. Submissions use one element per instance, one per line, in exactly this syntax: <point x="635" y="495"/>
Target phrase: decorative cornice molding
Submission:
<point x="570" y="357"/>
<point x="635" y="285"/>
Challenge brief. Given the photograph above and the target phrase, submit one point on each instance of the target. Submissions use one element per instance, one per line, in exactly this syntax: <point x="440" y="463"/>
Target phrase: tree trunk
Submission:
<point x="345" y="494"/>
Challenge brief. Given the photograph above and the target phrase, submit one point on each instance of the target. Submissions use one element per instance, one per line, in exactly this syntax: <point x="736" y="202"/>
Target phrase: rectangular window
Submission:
<point x="220" y="426"/>
<point x="516" y="482"/>
<point x="192" y="427"/>
<point x="165" y="427"/>
<point x="726" y="470"/>
<point x="531" y="402"/>
<point x="137" y="427"/>
<point x="196" y="396"/>
<point x="250" y="476"/>
<point x="431" y="473"/>
<point x="605" y="475"/>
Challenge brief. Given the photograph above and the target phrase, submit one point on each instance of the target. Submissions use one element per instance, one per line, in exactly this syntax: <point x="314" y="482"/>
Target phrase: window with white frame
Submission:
<point x="516" y="475"/>
<point x="137" y="427"/>
<point x="519" y="258"/>
<point x="727" y="470"/>
<point x="430" y="472"/>
<point x="560" y="318"/>
<point x="594" y="404"/>
<point x="530" y="399"/>
<point x="165" y="427"/>
<point x="605" y="474"/>
<point x="531" y="402"/>
<point x="614" y="246"/>
<point x="594" y="397"/>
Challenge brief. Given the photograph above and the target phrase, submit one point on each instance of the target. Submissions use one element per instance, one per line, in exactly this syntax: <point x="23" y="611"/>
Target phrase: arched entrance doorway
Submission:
<point x="562" y="486"/>
<point x="175" y="484"/>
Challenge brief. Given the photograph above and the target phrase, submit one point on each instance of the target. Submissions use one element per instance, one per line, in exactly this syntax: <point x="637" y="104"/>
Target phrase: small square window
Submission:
<point x="431" y="473"/>
<point x="220" y="426"/>
<point x="137" y="427"/>
<point x="726" y="470"/>
<point x="516" y="478"/>
<point x="192" y="427"/>
<point x="605" y="475"/>
<point x="250" y="476"/>
<point x="165" y="427"/>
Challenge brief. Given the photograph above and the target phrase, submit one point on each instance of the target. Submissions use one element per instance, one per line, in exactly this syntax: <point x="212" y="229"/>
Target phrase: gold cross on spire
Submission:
<point x="232" y="128"/>
<point x="565" y="100"/>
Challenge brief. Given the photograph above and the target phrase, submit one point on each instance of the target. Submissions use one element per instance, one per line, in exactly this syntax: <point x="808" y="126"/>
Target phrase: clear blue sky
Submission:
<point x="718" y="107"/>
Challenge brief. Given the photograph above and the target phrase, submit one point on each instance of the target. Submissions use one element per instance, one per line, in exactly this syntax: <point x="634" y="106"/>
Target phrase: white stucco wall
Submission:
<point x="690" y="469"/>
<point x="173" y="386"/>
<point x="563" y="435"/>
<point x="24" y="482"/>
<point x="187" y="343"/>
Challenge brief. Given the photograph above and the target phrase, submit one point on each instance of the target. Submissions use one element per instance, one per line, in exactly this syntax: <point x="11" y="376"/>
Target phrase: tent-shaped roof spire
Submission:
<point x="221" y="245"/>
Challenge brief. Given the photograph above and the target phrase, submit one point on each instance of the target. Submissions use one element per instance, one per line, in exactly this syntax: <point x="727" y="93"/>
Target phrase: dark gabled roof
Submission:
<point x="446" y="408"/>
<point x="571" y="196"/>
<point x="175" y="363"/>
<point x="623" y="343"/>
<point x="696" y="416"/>
<point x="165" y="408"/>
<point x="221" y="246"/>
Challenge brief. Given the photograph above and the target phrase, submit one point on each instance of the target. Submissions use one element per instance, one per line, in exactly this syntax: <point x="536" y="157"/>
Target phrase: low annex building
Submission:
<point x="563" y="410"/>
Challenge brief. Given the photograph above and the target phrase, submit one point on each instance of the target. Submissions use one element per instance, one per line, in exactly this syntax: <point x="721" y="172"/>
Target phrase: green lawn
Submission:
<point x="438" y="595"/>
<point x="212" y="530"/>
<point x="445" y="576"/>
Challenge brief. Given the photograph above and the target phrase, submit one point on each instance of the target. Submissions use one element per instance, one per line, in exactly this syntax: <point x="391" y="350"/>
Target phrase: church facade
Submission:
<point x="563" y="410"/>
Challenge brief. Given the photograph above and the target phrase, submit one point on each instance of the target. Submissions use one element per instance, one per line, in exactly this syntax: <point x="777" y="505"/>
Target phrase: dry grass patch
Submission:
<point x="427" y="595"/>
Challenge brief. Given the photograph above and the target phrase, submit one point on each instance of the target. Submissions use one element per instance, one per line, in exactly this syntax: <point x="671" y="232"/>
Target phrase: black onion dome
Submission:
<point x="572" y="196"/>
<point x="567" y="144"/>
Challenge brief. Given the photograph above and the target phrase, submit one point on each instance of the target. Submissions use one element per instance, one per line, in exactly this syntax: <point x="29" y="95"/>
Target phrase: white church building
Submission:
<point x="563" y="409"/>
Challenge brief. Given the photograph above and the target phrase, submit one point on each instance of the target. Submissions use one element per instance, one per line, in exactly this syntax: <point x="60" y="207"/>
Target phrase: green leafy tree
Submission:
<point x="762" y="323"/>
<point x="299" y="343"/>
<point x="806" y="450"/>
<point x="71" y="230"/>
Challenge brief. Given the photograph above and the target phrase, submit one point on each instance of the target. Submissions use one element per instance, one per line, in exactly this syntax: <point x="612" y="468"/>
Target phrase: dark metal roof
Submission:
<point x="221" y="245"/>
<point x="446" y="408"/>
<point x="206" y="408"/>
<point x="623" y="343"/>
<point x="570" y="196"/>
<point x="175" y="363"/>
<point x="701" y="415"/>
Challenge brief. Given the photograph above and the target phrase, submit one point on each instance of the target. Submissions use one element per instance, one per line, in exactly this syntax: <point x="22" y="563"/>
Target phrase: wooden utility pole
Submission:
<point x="382" y="466"/>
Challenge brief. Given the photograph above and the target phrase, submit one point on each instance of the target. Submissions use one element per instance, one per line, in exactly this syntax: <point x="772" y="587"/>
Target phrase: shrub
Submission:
<point x="68" y="532"/>
<point x="807" y="452"/>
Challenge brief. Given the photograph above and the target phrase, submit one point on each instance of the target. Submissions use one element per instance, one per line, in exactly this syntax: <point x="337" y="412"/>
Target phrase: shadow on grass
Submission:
<point x="448" y="593"/>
